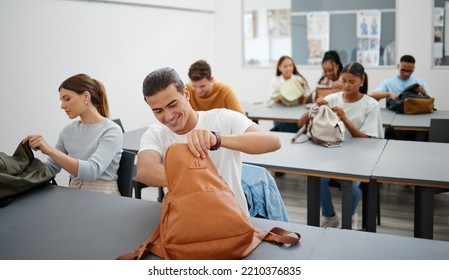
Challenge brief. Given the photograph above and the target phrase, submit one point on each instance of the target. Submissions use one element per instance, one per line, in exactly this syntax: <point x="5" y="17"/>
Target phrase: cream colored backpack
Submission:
<point x="291" y="91"/>
<point x="324" y="127"/>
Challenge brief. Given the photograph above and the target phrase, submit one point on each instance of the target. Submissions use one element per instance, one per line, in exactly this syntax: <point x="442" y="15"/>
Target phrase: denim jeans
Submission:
<point x="326" y="197"/>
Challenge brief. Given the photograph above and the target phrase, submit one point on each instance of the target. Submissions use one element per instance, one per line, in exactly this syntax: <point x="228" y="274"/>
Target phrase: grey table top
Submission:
<point x="282" y="113"/>
<point x="387" y="116"/>
<point x="414" y="162"/>
<point x="52" y="223"/>
<point x="355" y="159"/>
<point x="275" y="112"/>
<point x="420" y="122"/>
<point x="346" y="244"/>
<point x="131" y="139"/>
<point x="58" y="223"/>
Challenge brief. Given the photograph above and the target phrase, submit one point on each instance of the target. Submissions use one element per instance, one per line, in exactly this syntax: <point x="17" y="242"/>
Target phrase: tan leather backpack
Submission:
<point x="200" y="217"/>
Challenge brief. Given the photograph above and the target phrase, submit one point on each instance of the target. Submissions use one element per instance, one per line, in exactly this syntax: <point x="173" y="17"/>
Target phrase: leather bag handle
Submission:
<point x="282" y="236"/>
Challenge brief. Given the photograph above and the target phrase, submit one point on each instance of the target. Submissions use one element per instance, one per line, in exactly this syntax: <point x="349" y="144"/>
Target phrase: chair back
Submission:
<point x="126" y="173"/>
<point x="439" y="130"/>
<point x="119" y="122"/>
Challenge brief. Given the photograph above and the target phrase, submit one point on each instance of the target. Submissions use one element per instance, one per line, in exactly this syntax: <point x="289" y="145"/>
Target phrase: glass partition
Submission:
<point x="305" y="29"/>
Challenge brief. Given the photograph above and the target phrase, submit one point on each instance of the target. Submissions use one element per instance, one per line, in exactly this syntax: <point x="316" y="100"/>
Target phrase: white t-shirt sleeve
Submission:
<point x="229" y="122"/>
<point x="372" y="124"/>
<point x="153" y="139"/>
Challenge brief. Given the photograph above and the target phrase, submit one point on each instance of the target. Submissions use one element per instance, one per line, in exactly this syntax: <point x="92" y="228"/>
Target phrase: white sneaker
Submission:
<point x="330" y="222"/>
<point x="355" y="221"/>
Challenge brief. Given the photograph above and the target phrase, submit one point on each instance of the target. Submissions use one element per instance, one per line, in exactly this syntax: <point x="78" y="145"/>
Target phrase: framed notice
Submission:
<point x="317" y="36"/>
<point x="368" y="37"/>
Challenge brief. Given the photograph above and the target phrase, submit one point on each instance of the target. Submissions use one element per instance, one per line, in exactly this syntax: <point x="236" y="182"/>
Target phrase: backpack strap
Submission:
<point x="299" y="133"/>
<point x="275" y="235"/>
<point x="143" y="249"/>
<point x="282" y="236"/>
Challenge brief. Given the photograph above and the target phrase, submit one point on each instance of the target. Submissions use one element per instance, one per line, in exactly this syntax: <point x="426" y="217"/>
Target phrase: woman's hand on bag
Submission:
<point x="38" y="143"/>
<point x="340" y="112"/>
<point x="200" y="141"/>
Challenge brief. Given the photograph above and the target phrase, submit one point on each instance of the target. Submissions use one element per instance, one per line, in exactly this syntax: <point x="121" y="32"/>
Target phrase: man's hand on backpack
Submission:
<point x="200" y="141"/>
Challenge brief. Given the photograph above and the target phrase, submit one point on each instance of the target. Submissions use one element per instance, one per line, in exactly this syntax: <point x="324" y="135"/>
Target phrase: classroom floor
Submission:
<point x="396" y="206"/>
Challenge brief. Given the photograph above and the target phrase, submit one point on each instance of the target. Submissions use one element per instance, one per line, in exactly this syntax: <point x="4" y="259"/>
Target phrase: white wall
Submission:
<point x="44" y="42"/>
<point x="413" y="35"/>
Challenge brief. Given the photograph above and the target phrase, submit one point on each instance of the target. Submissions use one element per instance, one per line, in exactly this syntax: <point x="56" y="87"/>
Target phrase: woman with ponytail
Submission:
<point x="360" y="114"/>
<point x="89" y="148"/>
<point x="332" y="67"/>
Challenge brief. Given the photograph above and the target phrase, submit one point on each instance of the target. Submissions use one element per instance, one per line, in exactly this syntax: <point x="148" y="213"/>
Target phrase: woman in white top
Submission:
<point x="285" y="70"/>
<point x="90" y="148"/>
<point x="360" y="114"/>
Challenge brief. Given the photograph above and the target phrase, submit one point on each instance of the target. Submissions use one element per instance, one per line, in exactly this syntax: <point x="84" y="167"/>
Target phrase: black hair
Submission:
<point x="161" y="79"/>
<point x="407" y="58"/>
<point x="334" y="57"/>
<point x="358" y="70"/>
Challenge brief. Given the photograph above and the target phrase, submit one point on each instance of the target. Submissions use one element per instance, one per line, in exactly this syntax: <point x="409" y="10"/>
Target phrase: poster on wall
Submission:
<point x="446" y="31"/>
<point x="278" y="23"/>
<point x="317" y="36"/>
<point x="438" y="25"/>
<point x="368" y="37"/>
<point x="250" y="24"/>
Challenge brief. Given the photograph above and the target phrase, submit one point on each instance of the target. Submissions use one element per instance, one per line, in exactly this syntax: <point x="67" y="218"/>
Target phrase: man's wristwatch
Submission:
<point x="218" y="143"/>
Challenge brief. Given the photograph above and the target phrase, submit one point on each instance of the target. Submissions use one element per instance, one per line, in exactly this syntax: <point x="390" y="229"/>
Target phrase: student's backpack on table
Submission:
<point x="291" y="92"/>
<point x="324" y="128"/>
<point x="410" y="102"/>
<point x="21" y="172"/>
<point x="201" y="219"/>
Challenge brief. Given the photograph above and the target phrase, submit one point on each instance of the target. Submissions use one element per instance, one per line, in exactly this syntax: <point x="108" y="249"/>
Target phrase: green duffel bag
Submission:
<point x="21" y="172"/>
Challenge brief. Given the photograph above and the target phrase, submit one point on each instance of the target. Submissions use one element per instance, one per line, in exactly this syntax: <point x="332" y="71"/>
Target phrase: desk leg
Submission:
<point x="424" y="210"/>
<point x="346" y="204"/>
<point x="371" y="205"/>
<point x="313" y="201"/>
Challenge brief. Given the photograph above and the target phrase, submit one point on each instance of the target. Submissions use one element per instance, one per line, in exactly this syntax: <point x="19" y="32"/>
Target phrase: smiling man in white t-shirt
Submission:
<point x="221" y="134"/>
